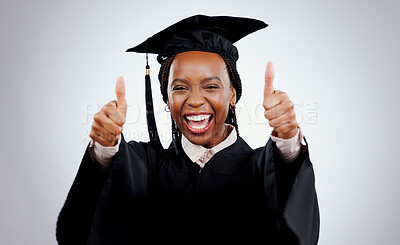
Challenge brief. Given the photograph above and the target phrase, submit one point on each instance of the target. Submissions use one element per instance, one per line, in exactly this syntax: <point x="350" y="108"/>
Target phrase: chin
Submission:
<point x="198" y="139"/>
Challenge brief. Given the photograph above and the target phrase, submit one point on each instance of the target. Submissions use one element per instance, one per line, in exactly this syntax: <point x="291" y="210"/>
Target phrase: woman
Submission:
<point x="209" y="184"/>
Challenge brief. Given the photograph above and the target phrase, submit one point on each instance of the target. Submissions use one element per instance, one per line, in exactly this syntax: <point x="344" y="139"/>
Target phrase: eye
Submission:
<point x="178" y="87"/>
<point x="212" y="86"/>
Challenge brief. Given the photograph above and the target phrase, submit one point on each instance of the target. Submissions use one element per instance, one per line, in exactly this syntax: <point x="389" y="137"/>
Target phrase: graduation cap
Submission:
<point x="214" y="34"/>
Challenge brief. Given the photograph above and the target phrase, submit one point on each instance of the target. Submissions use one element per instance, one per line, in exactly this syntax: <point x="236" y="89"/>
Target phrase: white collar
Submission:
<point x="200" y="155"/>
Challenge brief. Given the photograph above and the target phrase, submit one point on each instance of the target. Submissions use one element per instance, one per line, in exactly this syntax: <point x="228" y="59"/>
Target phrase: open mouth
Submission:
<point x="199" y="123"/>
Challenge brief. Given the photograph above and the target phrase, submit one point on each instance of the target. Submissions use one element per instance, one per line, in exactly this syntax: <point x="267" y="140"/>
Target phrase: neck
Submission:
<point x="218" y="138"/>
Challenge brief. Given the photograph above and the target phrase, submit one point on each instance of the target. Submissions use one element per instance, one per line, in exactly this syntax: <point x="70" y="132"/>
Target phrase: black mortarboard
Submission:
<point x="201" y="33"/>
<point x="214" y="34"/>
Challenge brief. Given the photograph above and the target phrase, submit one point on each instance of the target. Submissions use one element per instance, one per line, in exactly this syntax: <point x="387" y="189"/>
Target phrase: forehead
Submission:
<point x="197" y="63"/>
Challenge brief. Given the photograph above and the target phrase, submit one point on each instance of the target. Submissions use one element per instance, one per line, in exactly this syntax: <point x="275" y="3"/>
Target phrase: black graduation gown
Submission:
<point x="150" y="196"/>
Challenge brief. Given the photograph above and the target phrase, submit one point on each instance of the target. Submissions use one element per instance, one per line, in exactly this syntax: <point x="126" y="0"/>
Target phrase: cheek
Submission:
<point x="175" y="106"/>
<point x="221" y="104"/>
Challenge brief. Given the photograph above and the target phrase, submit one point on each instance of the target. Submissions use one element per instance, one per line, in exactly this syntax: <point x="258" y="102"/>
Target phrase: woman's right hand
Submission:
<point x="109" y="121"/>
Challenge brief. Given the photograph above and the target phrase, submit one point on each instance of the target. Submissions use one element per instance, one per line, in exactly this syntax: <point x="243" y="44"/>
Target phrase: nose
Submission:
<point x="195" y="99"/>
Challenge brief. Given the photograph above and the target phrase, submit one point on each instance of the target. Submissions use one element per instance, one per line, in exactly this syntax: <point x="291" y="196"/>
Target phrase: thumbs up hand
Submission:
<point x="279" y="110"/>
<point x="108" y="122"/>
<point x="120" y="93"/>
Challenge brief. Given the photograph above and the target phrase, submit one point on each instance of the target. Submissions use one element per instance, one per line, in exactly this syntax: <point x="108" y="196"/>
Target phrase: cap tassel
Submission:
<point x="151" y="121"/>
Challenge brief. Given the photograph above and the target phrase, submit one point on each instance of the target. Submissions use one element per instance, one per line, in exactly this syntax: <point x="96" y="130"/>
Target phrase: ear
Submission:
<point x="232" y="100"/>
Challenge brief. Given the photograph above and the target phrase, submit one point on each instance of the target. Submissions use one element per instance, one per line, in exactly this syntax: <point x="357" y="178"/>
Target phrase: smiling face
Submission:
<point x="199" y="95"/>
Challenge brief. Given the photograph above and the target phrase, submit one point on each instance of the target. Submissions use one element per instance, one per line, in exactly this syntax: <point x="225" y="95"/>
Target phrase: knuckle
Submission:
<point x="292" y="125"/>
<point x="111" y="103"/>
<point x="96" y="117"/>
<point x="265" y="105"/>
<point x="104" y="108"/>
<point x="108" y="106"/>
<point x="291" y="105"/>
<point x="99" y="117"/>
<point x="121" y="120"/>
<point x="272" y="123"/>
<point x="292" y="114"/>
<point x="266" y="114"/>
<point x="94" y="127"/>
<point x="106" y="123"/>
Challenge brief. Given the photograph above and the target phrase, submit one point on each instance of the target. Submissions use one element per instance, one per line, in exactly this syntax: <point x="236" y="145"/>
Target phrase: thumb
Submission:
<point x="120" y="92"/>
<point x="269" y="79"/>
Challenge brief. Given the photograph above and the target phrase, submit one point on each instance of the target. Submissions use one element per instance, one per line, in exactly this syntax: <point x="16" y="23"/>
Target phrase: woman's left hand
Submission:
<point x="279" y="110"/>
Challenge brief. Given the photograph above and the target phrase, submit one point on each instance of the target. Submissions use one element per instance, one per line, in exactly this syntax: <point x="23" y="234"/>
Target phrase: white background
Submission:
<point x="338" y="61"/>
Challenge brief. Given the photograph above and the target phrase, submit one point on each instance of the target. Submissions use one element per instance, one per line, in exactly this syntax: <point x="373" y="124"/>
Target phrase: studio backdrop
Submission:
<point x="337" y="60"/>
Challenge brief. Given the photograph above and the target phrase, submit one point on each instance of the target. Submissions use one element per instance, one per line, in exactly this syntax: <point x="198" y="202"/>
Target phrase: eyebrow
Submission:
<point x="202" y="81"/>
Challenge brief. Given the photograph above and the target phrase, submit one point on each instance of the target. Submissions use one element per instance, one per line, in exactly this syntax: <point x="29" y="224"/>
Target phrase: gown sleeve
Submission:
<point x="95" y="203"/>
<point x="295" y="202"/>
<point x="76" y="215"/>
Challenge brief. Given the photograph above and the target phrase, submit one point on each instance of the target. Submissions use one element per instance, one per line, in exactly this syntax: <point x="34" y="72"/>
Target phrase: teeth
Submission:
<point x="195" y="127"/>
<point x="195" y="120"/>
<point x="198" y="118"/>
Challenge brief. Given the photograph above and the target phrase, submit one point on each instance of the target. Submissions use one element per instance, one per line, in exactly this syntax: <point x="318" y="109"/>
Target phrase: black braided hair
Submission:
<point x="235" y="82"/>
<point x="163" y="75"/>
<point x="237" y="85"/>
<point x="233" y="75"/>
